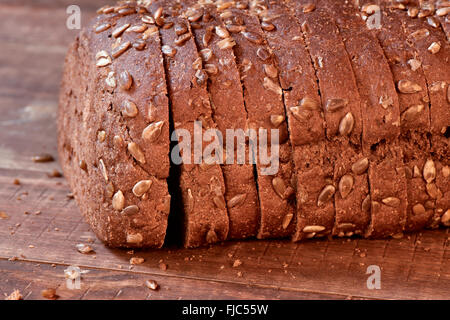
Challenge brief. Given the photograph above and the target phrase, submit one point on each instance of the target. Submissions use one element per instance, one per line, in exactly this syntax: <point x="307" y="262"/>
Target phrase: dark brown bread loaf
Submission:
<point x="144" y="68"/>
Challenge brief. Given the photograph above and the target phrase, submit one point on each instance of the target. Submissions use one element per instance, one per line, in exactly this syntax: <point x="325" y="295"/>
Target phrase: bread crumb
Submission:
<point x="162" y="266"/>
<point x="49" y="294"/>
<point x="15" y="295"/>
<point x="136" y="260"/>
<point x="237" y="263"/>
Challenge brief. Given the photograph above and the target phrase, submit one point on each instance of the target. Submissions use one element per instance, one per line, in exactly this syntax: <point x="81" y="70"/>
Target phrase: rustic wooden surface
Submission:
<point x="35" y="248"/>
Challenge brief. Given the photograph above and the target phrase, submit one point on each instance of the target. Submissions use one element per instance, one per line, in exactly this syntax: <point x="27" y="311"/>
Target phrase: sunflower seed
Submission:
<point x="346" y="225"/>
<point x="152" y="132"/>
<point x="222" y="32"/>
<point x="418" y="209"/>
<point x="182" y="39"/>
<point x="309" y="7"/>
<point x="211" y="69"/>
<point x="168" y="50"/>
<point x="102" y="27"/>
<point x="129" y="109"/>
<point x="287" y="220"/>
<point x="346" y="124"/>
<point x="360" y="166"/>
<point x="142" y="187"/>
<point x="234" y="28"/>
<point x="420" y="34"/>
<point x="267" y="26"/>
<point x="101" y="136"/>
<point x="150" y="32"/>
<point x="346" y="185"/>
<point x="426" y="9"/>
<point x="391" y="201"/>
<point x="446" y="171"/>
<point x="279" y="186"/>
<point x="219" y="201"/>
<point x="272" y="86"/>
<point x="416" y="172"/>
<point x="270" y="70"/>
<point x="412" y="113"/>
<point x="201" y="77"/>
<point x="441" y="12"/>
<point x="102" y="166"/>
<point x="136" y="152"/>
<point x="180" y="29"/>
<point x="414" y="64"/>
<point x="111" y="80"/>
<point x="84" y="248"/>
<point x="103" y="59"/>
<point x="109" y="190"/>
<point x="309" y="229"/>
<point x="194" y="15"/>
<point x="407" y="86"/>
<point x="309" y="104"/>
<point x="252" y="37"/>
<point x="435" y="47"/>
<point x="221" y="6"/>
<point x="300" y="113"/>
<point x="333" y="105"/>
<point x="117" y="52"/>
<point x="276" y="120"/>
<point x="211" y="236"/>
<point x="130" y="210"/>
<point x="432" y="21"/>
<point x="206" y="54"/>
<point x="429" y="171"/>
<point x="158" y="13"/>
<point x="226" y="43"/>
<point x="263" y="54"/>
<point x="325" y="195"/>
<point x="126" y="11"/>
<point x="135" y="238"/>
<point x="445" y="219"/>
<point x="413" y="12"/>
<point x="237" y="200"/>
<point x="125" y="80"/>
<point x="137" y="29"/>
<point x="148" y="19"/>
<point x="433" y="191"/>
<point x="118" y="201"/>
<point x="366" y="204"/>
<point x="207" y="36"/>
<point x="190" y="202"/>
<point x="120" y="30"/>
<point x="41" y="158"/>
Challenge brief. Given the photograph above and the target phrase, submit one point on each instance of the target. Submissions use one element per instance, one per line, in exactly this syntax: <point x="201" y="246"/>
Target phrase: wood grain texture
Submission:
<point x="34" y="40"/>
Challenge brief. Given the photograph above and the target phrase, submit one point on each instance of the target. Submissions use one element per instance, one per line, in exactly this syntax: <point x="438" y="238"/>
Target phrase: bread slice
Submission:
<point x="121" y="194"/>
<point x="381" y="120"/>
<point x="306" y="123"/>
<point x="426" y="40"/>
<point x="263" y="100"/>
<point x="414" y="107"/>
<point x="202" y="185"/>
<point x="334" y="72"/>
<point x="229" y="113"/>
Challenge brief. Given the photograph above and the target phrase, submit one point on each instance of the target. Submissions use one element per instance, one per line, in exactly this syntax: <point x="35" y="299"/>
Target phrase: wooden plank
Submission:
<point x="34" y="40"/>
<point x="31" y="278"/>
